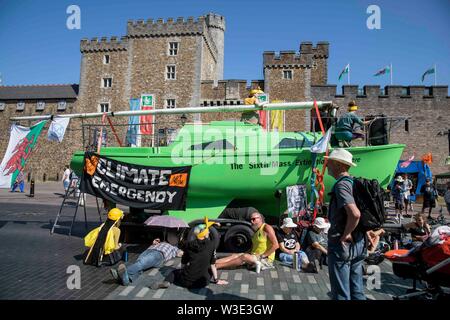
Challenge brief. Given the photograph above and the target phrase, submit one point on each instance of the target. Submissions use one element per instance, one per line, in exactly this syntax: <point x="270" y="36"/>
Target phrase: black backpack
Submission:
<point x="369" y="198"/>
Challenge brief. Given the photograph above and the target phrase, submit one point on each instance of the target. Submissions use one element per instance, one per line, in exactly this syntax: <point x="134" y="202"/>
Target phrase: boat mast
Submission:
<point x="240" y="108"/>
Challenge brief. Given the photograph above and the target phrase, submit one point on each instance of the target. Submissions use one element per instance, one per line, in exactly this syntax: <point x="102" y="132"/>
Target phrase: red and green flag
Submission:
<point x="22" y="142"/>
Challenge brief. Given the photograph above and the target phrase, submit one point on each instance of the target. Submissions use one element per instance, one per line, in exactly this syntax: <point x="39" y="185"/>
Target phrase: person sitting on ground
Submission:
<point x="398" y="196"/>
<point x="289" y="246"/>
<point x="103" y="241"/>
<point x="345" y="130"/>
<point x="153" y="257"/>
<point x="262" y="253"/>
<point x="373" y="237"/>
<point x="20" y="182"/>
<point x="198" y="260"/>
<point x="316" y="241"/>
<point x="420" y="230"/>
<point x="429" y="196"/>
<point x="287" y="241"/>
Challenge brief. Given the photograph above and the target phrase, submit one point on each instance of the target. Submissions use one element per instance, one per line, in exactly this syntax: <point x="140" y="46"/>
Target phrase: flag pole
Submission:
<point x="435" y="72"/>
<point x="391" y="74"/>
<point x="348" y="74"/>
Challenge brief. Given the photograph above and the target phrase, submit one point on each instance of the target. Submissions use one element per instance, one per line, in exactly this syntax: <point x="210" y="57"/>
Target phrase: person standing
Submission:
<point x="20" y="182"/>
<point x="345" y="126"/>
<point x="66" y="178"/>
<point x="407" y="187"/>
<point x="346" y="245"/>
<point x="398" y="194"/>
<point x="429" y="197"/>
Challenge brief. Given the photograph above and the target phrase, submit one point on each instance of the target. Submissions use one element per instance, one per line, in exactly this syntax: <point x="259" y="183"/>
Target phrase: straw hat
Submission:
<point x="399" y="179"/>
<point x="341" y="155"/>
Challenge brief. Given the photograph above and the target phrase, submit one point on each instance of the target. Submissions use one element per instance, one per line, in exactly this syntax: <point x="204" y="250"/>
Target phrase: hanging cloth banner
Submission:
<point x="133" y="123"/>
<point x="145" y="187"/>
<point x="57" y="129"/>
<point x="22" y="141"/>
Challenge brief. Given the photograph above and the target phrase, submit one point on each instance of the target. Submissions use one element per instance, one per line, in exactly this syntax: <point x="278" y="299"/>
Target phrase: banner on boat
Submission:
<point x="158" y="188"/>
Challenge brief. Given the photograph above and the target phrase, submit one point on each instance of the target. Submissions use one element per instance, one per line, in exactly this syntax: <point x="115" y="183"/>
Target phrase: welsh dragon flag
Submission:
<point x="22" y="141"/>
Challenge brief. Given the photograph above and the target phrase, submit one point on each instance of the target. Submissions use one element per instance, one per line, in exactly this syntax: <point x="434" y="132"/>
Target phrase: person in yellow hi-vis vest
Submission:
<point x="262" y="253"/>
<point x="251" y="116"/>
<point x="103" y="241"/>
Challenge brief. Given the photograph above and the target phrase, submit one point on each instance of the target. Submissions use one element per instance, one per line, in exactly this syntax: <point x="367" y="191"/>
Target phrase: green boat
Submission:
<point x="239" y="164"/>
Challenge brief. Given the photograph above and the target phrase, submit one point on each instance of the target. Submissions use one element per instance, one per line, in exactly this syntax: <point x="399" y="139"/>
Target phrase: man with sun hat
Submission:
<point x="346" y="246"/>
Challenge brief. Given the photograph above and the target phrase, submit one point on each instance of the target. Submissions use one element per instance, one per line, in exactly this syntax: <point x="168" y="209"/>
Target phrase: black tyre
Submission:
<point x="238" y="239"/>
<point x="213" y="235"/>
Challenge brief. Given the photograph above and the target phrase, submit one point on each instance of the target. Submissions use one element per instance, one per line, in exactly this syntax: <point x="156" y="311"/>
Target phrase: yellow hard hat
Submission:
<point x="115" y="214"/>
<point x="353" y="108"/>
<point x="202" y="229"/>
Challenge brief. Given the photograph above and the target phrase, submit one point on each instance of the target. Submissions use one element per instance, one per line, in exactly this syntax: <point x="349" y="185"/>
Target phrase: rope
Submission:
<point x="114" y="131"/>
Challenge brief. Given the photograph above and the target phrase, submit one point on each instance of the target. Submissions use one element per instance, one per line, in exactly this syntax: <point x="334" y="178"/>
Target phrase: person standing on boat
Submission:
<point x="345" y="126"/>
<point x="346" y="246"/>
<point x="251" y="116"/>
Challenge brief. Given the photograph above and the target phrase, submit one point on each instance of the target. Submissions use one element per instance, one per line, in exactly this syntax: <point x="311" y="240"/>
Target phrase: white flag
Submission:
<point x="57" y="129"/>
<point x="321" y="145"/>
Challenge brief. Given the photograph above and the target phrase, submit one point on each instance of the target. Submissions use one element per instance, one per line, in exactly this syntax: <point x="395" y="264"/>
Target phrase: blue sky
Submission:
<point x="37" y="48"/>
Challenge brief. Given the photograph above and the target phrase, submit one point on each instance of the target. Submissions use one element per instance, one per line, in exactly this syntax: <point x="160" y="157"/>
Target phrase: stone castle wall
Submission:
<point x="428" y="110"/>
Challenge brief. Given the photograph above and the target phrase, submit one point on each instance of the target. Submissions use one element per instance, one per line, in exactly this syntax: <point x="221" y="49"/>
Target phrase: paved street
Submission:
<point x="34" y="263"/>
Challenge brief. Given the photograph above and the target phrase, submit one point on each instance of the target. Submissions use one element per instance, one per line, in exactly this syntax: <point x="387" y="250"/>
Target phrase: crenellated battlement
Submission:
<point x="161" y="27"/>
<point x="180" y="27"/>
<point x="303" y="58"/>
<point x="95" y="45"/>
<point x="371" y="91"/>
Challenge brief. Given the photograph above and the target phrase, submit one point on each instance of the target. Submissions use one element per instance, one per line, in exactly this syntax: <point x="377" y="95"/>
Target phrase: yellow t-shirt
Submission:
<point x="260" y="243"/>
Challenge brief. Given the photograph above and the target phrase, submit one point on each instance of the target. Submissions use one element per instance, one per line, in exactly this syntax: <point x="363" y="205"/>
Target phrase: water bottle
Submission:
<point x="125" y="256"/>
<point x="395" y="244"/>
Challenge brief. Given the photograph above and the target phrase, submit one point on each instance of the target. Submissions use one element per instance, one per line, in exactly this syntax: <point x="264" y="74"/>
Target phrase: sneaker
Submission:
<point x="114" y="273"/>
<point x="258" y="266"/>
<point x="123" y="274"/>
<point x="266" y="264"/>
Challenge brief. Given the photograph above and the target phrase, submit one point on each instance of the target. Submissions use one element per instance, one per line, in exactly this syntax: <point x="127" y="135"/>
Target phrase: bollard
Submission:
<point x="32" y="188"/>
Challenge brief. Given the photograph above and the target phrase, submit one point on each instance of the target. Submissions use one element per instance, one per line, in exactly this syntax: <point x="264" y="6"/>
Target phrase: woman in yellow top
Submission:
<point x="264" y="245"/>
<point x="104" y="240"/>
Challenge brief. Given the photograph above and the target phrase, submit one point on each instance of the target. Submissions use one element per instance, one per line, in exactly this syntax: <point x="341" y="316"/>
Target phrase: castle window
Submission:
<point x="173" y="48"/>
<point x="427" y="91"/>
<point x="40" y="106"/>
<point x="20" y="106"/>
<point x="287" y="74"/>
<point x="62" y="105"/>
<point x="171" y="73"/>
<point x="103" y="107"/>
<point x="106" y="82"/>
<point x="106" y="59"/>
<point x="2" y="106"/>
<point x="170" y="104"/>
<point x="405" y="91"/>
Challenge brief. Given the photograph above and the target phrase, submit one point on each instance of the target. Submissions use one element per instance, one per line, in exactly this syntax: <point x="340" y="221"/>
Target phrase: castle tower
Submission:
<point x="168" y="58"/>
<point x="289" y="75"/>
<point x="216" y="27"/>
